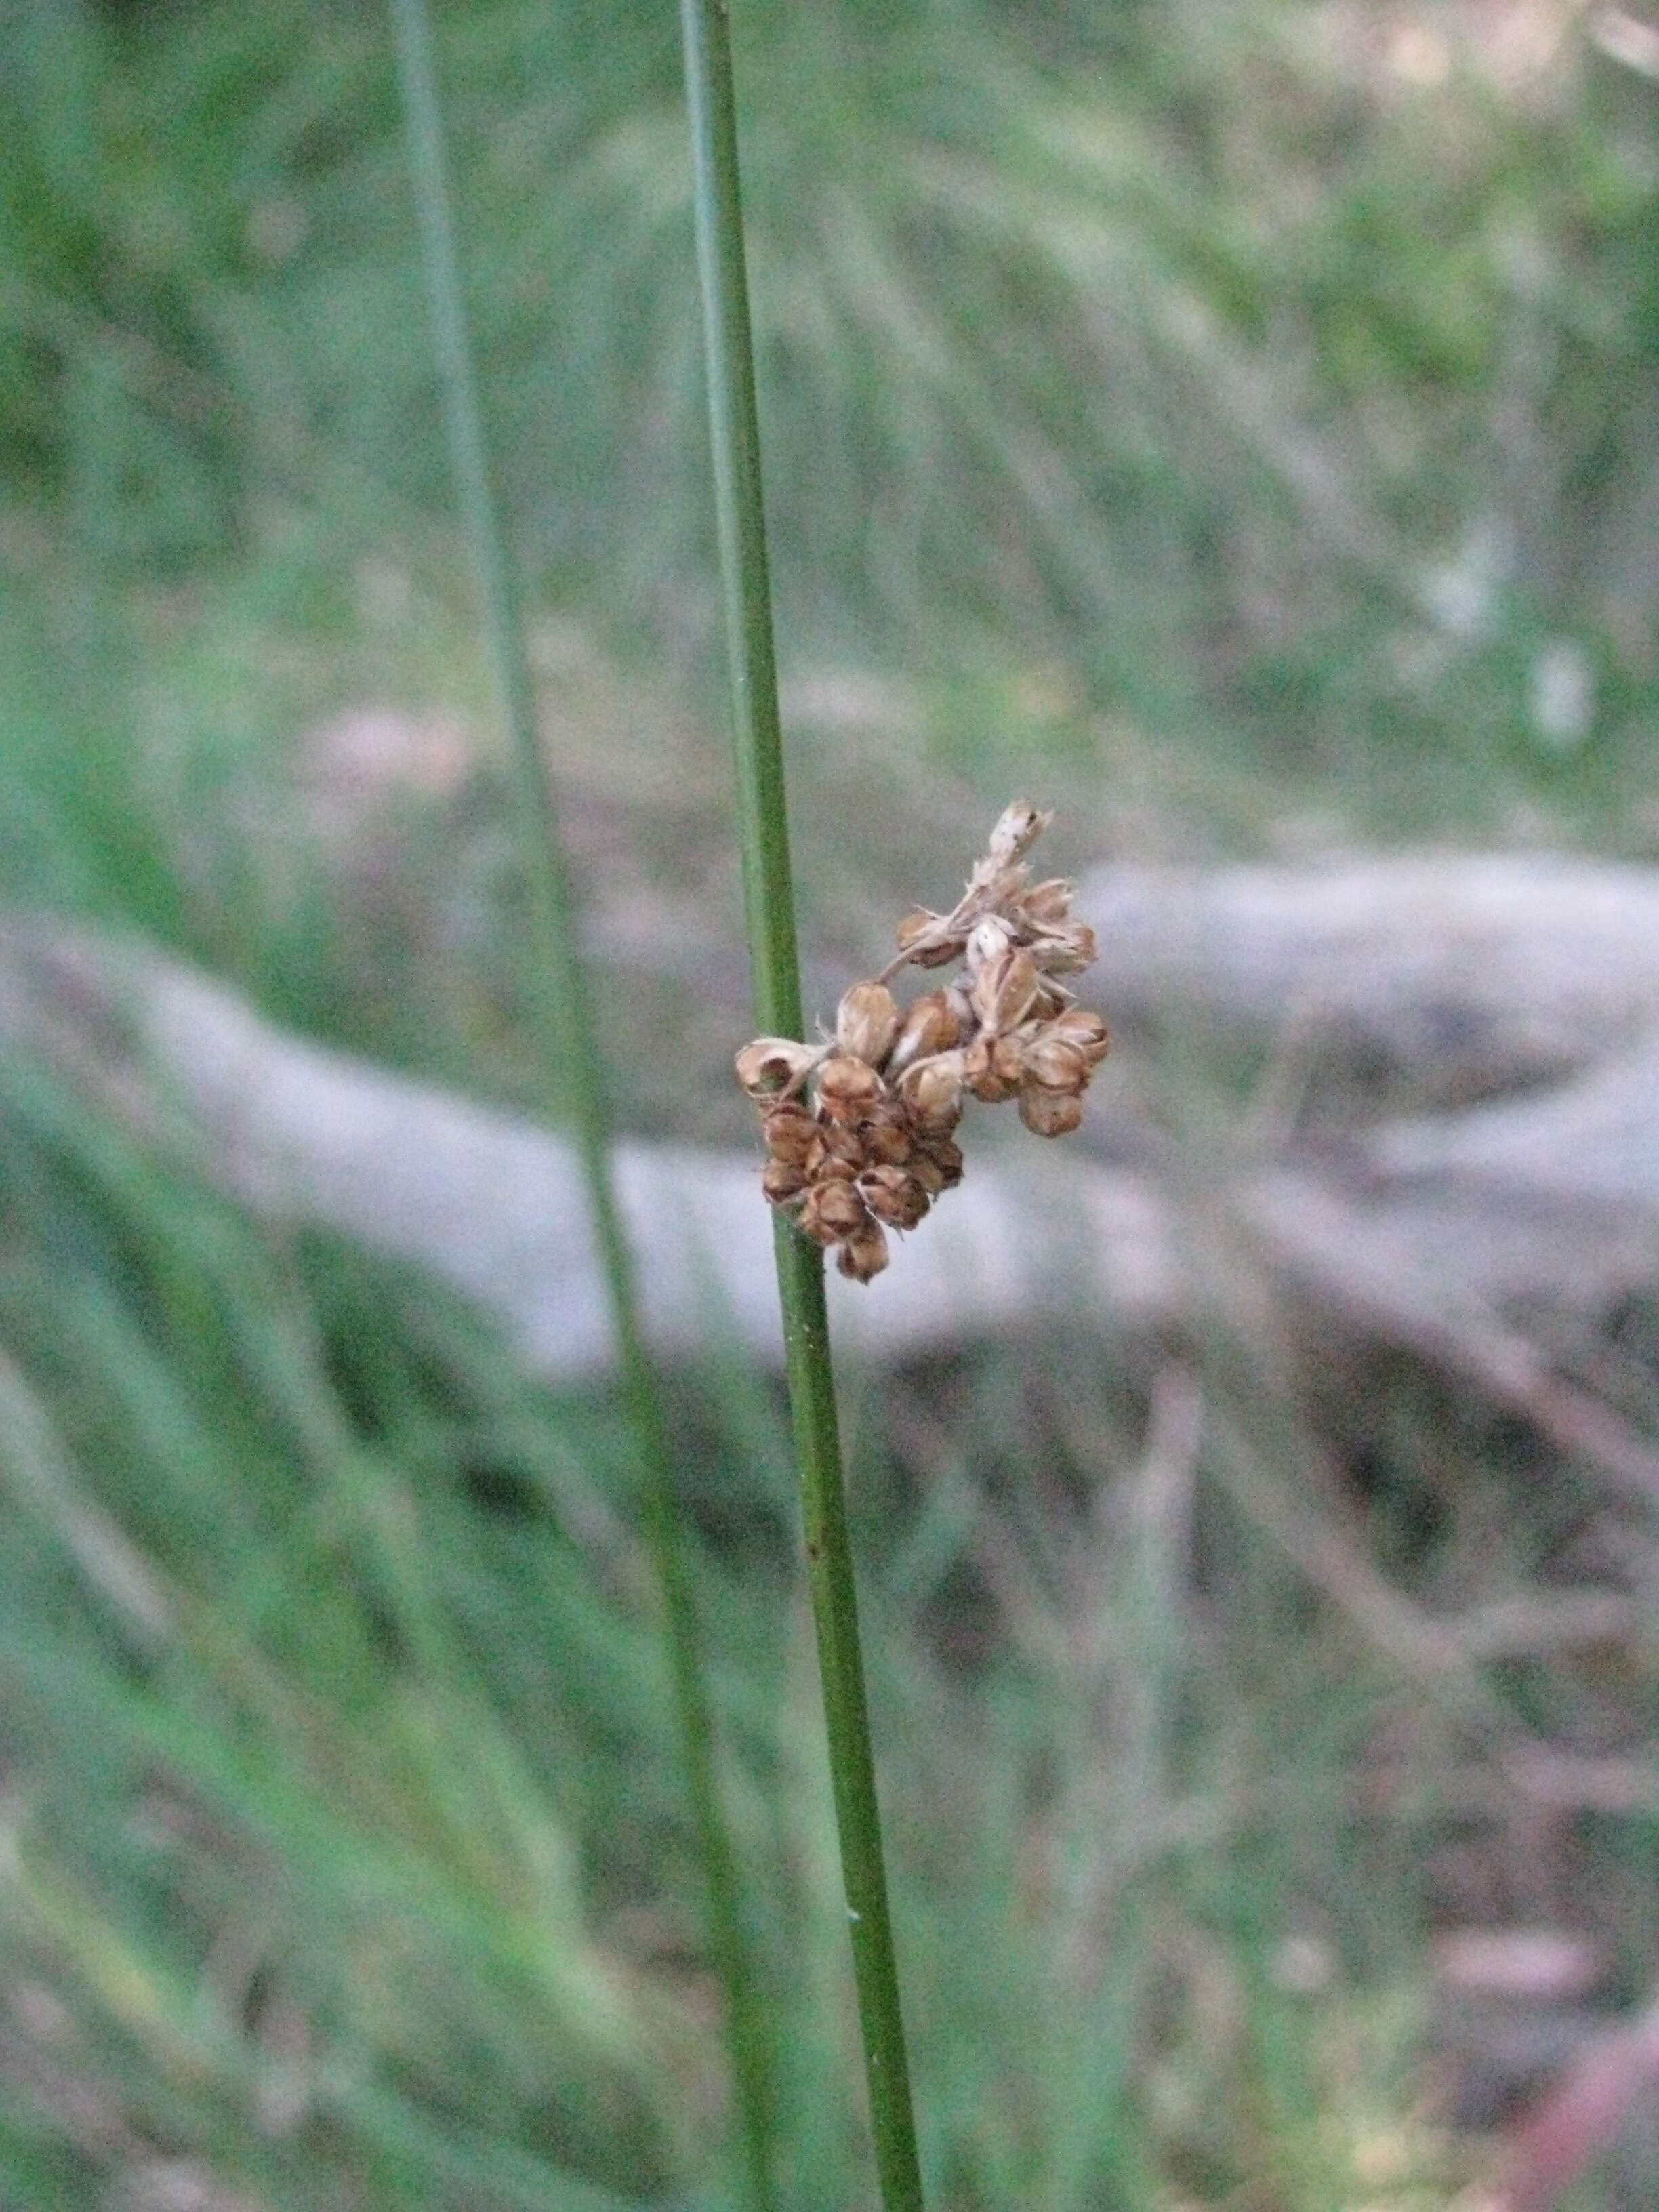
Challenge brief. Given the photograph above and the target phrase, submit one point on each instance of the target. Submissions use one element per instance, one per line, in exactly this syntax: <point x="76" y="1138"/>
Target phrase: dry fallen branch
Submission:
<point x="1579" y="2117"/>
<point x="1478" y="970"/>
<point x="1446" y="1233"/>
<point x="1363" y="1261"/>
<point x="494" y="1204"/>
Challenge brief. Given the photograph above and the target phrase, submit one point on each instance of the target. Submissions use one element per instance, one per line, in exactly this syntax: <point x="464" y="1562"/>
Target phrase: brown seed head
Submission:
<point x="864" y="1254"/>
<point x="1048" y="1113"/>
<point x="893" y="1196"/>
<point x="861" y="1154"/>
<point x="848" y="1087"/>
<point x="866" y="1023"/>
<point x="773" y="1064"/>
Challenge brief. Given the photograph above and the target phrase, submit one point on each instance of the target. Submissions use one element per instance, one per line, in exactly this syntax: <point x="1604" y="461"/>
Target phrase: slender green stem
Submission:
<point x="562" y="1008"/>
<point x="763" y="827"/>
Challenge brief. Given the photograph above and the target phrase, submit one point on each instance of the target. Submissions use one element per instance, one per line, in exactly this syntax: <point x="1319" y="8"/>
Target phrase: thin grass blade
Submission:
<point x="563" y="1005"/>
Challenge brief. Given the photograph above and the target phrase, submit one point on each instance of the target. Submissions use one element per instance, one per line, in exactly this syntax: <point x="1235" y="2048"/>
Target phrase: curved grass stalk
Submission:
<point x="763" y="830"/>
<point x="562" y="1010"/>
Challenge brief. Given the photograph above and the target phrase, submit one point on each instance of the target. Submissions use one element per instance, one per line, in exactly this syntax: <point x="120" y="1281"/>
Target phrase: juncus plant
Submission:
<point x="857" y="1113"/>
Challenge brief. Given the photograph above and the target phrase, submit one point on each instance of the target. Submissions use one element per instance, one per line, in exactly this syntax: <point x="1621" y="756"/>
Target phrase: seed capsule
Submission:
<point x="932" y="1091"/>
<point x="832" y="1212"/>
<point x="1066" y="951"/>
<point x="864" y="1254"/>
<point x="930" y="1025"/>
<point x="1054" y="1063"/>
<point x="885" y="1134"/>
<point x="922" y="938"/>
<point x="944" y="1156"/>
<point x="1008" y="1061"/>
<point x="925" y="1170"/>
<point x="893" y="1196"/>
<point x="1048" y="1113"/>
<point x="979" y="1073"/>
<point x="1017" y="825"/>
<point x="1084" y="1030"/>
<point x="848" y="1087"/>
<point x="1046" y="906"/>
<point x="788" y="1129"/>
<point x="782" y="1180"/>
<point x="988" y="942"/>
<point x="773" y="1064"/>
<point x="1003" y="991"/>
<point x="866" y="1023"/>
<point x="834" y="1151"/>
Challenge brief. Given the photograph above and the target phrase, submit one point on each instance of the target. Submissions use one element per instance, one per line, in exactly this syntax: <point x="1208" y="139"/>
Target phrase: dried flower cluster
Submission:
<point x="861" y="1129"/>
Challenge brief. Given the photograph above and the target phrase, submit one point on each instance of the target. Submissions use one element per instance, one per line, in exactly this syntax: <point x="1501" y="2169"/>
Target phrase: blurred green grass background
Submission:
<point x="1237" y="423"/>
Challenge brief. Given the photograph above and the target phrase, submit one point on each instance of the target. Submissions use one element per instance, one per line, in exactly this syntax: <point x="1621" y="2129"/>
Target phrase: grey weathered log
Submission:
<point x="1587" y="1145"/>
<point x="1447" y="1232"/>
<point x="1478" y="968"/>
<point x="495" y="1203"/>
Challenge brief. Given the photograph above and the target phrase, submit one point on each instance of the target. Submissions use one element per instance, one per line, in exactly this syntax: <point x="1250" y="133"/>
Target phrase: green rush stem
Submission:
<point x="763" y="827"/>
<point x="569" y="1042"/>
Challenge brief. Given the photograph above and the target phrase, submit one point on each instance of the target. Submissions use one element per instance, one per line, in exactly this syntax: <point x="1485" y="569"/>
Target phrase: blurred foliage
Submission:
<point x="1285" y="373"/>
<point x="343" y="1852"/>
<point x="1240" y="420"/>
